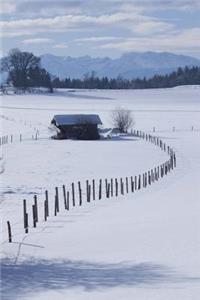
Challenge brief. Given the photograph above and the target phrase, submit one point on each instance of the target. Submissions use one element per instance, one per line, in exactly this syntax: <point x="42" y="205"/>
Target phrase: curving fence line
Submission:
<point x="93" y="190"/>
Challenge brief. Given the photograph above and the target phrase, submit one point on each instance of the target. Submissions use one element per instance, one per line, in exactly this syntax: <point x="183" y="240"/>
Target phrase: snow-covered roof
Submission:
<point x="76" y="119"/>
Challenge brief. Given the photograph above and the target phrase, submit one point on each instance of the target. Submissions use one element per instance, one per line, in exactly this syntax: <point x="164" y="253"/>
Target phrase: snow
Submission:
<point x="144" y="245"/>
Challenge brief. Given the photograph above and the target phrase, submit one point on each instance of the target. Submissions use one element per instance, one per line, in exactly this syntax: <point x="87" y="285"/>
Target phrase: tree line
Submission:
<point x="183" y="76"/>
<point x="25" y="71"/>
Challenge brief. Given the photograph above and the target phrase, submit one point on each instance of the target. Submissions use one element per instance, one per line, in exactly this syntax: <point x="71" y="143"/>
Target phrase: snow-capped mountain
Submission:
<point x="130" y="65"/>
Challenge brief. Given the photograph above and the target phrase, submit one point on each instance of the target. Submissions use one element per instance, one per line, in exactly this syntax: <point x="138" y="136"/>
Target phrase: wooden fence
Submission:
<point x="9" y="139"/>
<point x="92" y="190"/>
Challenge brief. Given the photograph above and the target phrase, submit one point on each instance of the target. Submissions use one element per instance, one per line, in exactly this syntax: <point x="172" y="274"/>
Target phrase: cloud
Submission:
<point x="37" y="41"/>
<point x="61" y="46"/>
<point x="156" y="5"/>
<point x="97" y="39"/>
<point x="48" y="8"/>
<point x="129" y="21"/>
<point x="7" y="7"/>
<point x="185" y="41"/>
<point x="152" y="27"/>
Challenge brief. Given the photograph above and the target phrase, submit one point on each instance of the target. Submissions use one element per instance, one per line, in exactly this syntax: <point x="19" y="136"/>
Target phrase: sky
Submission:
<point x="100" y="28"/>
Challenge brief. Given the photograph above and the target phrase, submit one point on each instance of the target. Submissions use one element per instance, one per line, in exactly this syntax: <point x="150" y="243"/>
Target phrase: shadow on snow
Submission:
<point x="40" y="276"/>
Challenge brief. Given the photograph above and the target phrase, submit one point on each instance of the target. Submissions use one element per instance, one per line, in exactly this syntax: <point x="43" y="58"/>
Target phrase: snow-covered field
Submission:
<point x="142" y="246"/>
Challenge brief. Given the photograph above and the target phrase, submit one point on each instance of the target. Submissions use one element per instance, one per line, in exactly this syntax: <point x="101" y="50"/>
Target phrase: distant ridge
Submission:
<point x="130" y="65"/>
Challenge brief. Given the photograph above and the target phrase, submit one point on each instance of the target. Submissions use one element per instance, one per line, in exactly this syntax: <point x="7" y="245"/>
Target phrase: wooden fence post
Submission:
<point x="111" y="187"/>
<point x="127" y="185"/>
<point x="174" y="160"/>
<point x="93" y="188"/>
<point x="100" y="189"/>
<point x="152" y="176"/>
<point x="25" y="216"/>
<point x="36" y="208"/>
<point x="122" y="186"/>
<point x="106" y="185"/>
<point x="158" y="172"/>
<point x="45" y="210"/>
<point x="80" y="193"/>
<point x="56" y="205"/>
<point x="67" y="200"/>
<point x="132" y="184"/>
<point x="47" y="203"/>
<point x="116" y="187"/>
<point x="139" y="182"/>
<point x="89" y="192"/>
<point x="146" y="182"/>
<point x="64" y="196"/>
<point x="73" y="194"/>
<point x="34" y="215"/>
<point x="9" y="232"/>
<point x="149" y="177"/>
<point x="57" y="200"/>
<point x="108" y="191"/>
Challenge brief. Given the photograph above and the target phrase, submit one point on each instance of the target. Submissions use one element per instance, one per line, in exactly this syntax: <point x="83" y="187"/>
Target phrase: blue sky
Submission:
<point x="100" y="27"/>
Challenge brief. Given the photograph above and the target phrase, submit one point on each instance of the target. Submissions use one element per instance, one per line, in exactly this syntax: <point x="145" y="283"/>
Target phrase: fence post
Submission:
<point x="139" y="182"/>
<point x="116" y="187"/>
<point x="108" y="191"/>
<point x="106" y="185"/>
<point x="55" y="208"/>
<point x="87" y="191"/>
<point x="34" y="215"/>
<point x="152" y="176"/>
<point x="47" y="203"/>
<point x="127" y="185"/>
<point x="9" y="232"/>
<point x="93" y="188"/>
<point x="67" y="200"/>
<point x="122" y="186"/>
<point x="158" y="172"/>
<point x="45" y="210"/>
<point x="57" y="200"/>
<point x="149" y="177"/>
<point x="146" y="182"/>
<point x="174" y="160"/>
<point x="80" y="193"/>
<point x="64" y="196"/>
<point x="132" y="184"/>
<point x="111" y="187"/>
<point x="25" y="216"/>
<point x="36" y="208"/>
<point x="100" y="189"/>
<point x="73" y="194"/>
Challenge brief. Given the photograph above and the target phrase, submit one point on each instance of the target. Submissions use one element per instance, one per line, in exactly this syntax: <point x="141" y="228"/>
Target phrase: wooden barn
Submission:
<point x="81" y="127"/>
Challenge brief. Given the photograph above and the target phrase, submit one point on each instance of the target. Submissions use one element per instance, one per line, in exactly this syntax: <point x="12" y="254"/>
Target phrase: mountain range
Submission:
<point x="129" y="66"/>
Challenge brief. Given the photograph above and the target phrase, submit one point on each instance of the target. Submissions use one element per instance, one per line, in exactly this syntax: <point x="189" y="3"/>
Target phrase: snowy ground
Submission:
<point x="140" y="246"/>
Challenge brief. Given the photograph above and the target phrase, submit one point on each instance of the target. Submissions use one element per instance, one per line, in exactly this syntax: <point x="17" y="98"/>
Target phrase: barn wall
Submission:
<point x="83" y="132"/>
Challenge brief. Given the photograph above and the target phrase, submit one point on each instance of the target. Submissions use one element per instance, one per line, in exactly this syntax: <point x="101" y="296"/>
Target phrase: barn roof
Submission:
<point x="76" y="119"/>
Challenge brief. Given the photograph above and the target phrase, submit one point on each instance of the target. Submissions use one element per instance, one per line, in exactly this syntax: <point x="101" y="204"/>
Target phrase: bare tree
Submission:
<point x="122" y="119"/>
